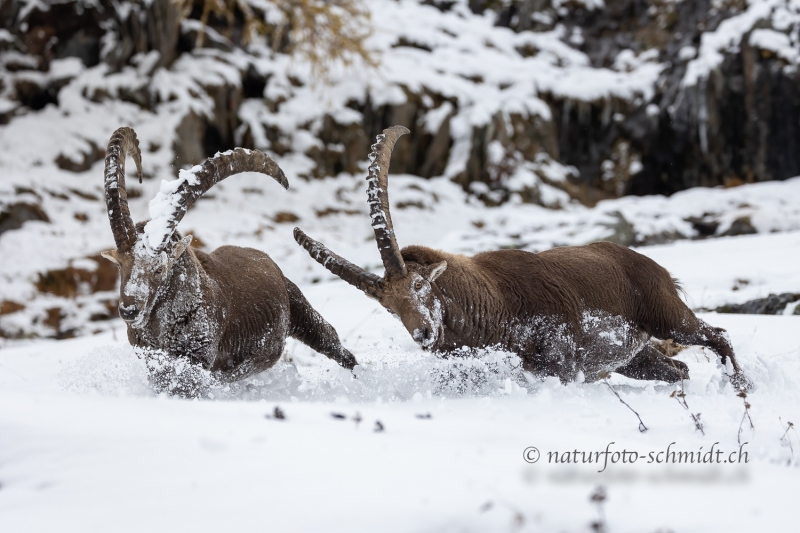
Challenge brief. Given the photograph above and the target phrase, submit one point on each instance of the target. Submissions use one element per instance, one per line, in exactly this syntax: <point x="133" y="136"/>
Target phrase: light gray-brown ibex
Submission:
<point x="229" y="311"/>
<point x="590" y="309"/>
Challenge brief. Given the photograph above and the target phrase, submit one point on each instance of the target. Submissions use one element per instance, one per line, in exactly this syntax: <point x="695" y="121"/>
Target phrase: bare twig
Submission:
<point x="642" y="427"/>
<point x="680" y="397"/>
<point x="786" y="437"/>
<point x="746" y="415"/>
<point x="518" y="517"/>
<point x="277" y="414"/>
<point x="697" y="423"/>
<point x="599" y="497"/>
<point x="670" y="349"/>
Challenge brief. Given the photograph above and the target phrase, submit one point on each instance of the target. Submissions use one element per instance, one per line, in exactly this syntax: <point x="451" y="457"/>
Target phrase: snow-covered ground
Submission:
<point x="86" y="446"/>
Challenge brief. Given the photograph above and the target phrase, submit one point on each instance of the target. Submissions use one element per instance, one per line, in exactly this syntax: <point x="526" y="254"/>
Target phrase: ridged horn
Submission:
<point x="122" y="143"/>
<point x="378" y="199"/>
<point x="341" y="267"/>
<point x="178" y="196"/>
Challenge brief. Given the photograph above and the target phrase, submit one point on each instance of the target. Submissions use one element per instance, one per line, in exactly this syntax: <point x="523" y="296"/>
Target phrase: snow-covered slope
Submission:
<point x="251" y="210"/>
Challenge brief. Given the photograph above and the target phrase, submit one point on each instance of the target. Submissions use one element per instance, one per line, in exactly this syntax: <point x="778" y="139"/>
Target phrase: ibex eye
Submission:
<point x="418" y="285"/>
<point x="159" y="270"/>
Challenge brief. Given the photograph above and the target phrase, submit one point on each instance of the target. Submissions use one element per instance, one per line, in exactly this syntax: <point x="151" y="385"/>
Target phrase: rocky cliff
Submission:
<point x="628" y="96"/>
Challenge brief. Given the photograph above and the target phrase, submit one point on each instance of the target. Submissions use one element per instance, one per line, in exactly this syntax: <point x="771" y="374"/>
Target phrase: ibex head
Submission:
<point x="406" y="290"/>
<point x="147" y="252"/>
<point x="143" y="275"/>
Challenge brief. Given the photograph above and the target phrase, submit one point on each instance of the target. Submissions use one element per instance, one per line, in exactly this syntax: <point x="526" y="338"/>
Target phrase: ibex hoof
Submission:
<point x="347" y="360"/>
<point x="740" y="382"/>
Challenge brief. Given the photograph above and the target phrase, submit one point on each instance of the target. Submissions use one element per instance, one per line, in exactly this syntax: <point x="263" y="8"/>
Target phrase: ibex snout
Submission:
<point x="128" y="312"/>
<point x="424" y="337"/>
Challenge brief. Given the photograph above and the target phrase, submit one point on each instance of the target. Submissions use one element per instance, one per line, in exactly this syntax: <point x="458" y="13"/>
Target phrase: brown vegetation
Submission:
<point x="71" y="282"/>
<point x="323" y="32"/>
<point x="7" y="307"/>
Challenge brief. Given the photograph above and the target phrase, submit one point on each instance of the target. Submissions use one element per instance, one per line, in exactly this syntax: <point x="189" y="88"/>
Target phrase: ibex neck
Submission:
<point x="471" y="296"/>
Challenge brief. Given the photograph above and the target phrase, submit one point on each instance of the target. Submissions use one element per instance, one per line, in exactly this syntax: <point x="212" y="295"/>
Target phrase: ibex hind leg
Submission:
<point x="311" y="329"/>
<point x="651" y="364"/>
<point x="692" y="330"/>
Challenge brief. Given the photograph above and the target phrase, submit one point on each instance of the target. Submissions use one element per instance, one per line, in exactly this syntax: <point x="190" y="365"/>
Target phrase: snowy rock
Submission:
<point x="15" y="215"/>
<point x="774" y="304"/>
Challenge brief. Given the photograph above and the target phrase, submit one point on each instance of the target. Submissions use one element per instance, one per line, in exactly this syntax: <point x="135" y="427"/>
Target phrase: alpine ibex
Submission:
<point x="230" y="310"/>
<point x="590" y="309"/>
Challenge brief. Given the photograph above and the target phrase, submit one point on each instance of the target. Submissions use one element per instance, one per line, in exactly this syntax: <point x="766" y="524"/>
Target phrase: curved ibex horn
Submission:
<point x="352" y="274"/>
<point x="378" y="199"/>
<point x="122" y="142"/>
<point x="178" y="196"/>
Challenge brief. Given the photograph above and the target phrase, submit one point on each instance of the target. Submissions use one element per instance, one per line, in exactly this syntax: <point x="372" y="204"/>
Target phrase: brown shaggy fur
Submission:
<point x="537" y="304"/>
<point x="229" y="311"/>
<point x="589" y="309"/>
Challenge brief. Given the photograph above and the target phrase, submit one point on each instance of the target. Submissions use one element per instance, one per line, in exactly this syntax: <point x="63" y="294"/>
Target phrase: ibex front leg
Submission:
<point x="311" y="329"/>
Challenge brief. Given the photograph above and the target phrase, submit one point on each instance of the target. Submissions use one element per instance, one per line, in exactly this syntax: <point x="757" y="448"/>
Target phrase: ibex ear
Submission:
<point x="177" y="250"/>
<point x="181" y="247"/>
<point x="111" y="255"/>
<point x="434" y="271"/>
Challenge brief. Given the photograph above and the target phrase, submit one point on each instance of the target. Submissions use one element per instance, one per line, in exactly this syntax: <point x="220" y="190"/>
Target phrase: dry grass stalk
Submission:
<point x="323" y="32"/>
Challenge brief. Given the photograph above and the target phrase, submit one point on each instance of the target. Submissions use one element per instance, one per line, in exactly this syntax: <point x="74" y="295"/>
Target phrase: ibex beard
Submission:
<point x="582" y="309"/>
<point x="227" y="312"/>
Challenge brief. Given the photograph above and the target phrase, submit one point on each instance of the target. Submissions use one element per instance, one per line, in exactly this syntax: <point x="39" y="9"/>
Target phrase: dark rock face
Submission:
<point x="740" y="226"/>
<point x="85" y="161"/>
<point x="771" y="305"/>
<point x="738" y="126"/>
<point x="15" y="215"/>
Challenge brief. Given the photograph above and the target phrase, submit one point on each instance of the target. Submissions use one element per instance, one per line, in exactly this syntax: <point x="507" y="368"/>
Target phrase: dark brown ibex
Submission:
<point x="589" y="309"/>
<point x="230" y="310"/>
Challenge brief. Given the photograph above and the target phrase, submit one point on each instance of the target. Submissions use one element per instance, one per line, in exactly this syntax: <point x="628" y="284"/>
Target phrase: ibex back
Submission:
<point x="229" y="311"/>
<point x="590" y="309"/>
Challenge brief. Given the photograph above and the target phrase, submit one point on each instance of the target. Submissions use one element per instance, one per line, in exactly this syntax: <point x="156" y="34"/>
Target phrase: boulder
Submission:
<point x="774" y="304"/>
